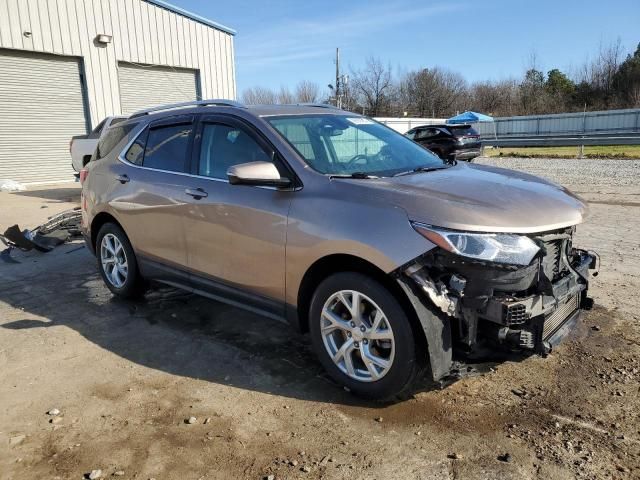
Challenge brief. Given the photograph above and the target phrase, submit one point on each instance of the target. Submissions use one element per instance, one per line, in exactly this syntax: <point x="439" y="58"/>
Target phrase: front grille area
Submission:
<point x="554" y="321"/>
<point x="551" y="262"/>
<point x="516" y="314"/>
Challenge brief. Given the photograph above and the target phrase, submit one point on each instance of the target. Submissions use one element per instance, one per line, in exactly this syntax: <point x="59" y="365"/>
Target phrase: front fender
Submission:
<point x="319" y="226"/>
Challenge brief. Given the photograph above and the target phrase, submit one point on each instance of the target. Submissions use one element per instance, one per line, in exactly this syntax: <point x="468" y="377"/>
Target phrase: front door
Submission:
<point x="235" y="234"/>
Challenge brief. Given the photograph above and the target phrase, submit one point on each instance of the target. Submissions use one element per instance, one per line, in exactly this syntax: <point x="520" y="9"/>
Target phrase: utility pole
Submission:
<point x="339" y="88"/>
<point x="338" y="94"/>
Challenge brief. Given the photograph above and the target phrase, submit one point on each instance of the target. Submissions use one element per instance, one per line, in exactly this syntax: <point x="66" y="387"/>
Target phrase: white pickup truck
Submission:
<point x="83" y="146"/>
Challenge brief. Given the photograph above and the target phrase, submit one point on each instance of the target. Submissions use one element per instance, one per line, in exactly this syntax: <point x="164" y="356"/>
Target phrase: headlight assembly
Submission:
<point x="492" y="247"/>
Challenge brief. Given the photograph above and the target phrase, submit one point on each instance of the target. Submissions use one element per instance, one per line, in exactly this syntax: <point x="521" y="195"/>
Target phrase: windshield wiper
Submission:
<point x="418" y="170"/>
<point x="357" y="175"/>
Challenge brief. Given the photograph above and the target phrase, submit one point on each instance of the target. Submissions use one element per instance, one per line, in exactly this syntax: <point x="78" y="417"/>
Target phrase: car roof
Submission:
<point x="190" y="108"/>
<point x="296" y="109"/>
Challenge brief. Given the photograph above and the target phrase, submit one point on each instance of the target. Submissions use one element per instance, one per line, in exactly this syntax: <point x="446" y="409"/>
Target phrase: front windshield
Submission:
<point x="343" y="145"/>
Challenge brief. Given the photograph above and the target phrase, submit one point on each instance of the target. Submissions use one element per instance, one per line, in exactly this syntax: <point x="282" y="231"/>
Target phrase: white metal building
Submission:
<point x="67" y="64"/>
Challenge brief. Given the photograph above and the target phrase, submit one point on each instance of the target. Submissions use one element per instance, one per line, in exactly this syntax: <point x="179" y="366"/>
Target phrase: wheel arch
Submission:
<point x="96" y="224"/>
<point x="336" y="263"/>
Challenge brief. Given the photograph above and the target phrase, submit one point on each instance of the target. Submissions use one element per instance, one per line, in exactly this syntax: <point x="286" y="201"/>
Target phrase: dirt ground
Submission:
<point x="127" y="376"/>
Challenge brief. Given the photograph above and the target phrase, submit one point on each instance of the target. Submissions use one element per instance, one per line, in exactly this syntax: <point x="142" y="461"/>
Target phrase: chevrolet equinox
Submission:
<point x="399" y="265"/>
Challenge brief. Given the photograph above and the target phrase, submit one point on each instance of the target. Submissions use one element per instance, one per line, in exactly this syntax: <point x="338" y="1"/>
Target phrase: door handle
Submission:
<point x="196" y="193"/>
<point x="124" y="178"/>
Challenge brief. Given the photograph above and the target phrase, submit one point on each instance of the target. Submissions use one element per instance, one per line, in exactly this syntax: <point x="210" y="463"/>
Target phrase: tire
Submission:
<point x="131" y="285"/>
<point x="392" y="382"/>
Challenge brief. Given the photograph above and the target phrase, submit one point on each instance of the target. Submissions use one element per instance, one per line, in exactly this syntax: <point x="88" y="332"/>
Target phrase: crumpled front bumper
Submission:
<point x="539" y="321"/>
<point x="472" y="310"/>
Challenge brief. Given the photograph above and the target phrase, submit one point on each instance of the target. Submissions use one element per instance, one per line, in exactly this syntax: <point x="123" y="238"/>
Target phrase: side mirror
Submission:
<point x="263" y="174"/>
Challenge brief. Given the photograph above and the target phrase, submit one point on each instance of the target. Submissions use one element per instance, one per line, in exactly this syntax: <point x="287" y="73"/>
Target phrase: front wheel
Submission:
<point x="362" y="336"/>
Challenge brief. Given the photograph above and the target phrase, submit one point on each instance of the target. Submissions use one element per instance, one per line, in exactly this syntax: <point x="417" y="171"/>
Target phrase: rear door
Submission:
<point x="426" y="137"/>
<point x="151" y="179"/>
<point x="236" y="233"/>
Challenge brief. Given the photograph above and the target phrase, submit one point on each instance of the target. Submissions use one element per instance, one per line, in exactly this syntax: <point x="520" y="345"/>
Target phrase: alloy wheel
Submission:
<point x="114" y="260"/>
<point x="357" y="335"/>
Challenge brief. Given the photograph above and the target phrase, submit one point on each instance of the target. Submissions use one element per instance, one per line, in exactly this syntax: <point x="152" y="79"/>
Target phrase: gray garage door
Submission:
<point x="41" y="108"/>
<point x="147" y="86"/>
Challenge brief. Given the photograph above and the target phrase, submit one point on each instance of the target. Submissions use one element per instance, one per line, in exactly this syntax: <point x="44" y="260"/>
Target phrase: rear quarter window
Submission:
<point x="112" y="137"/>
<point x="463" y="131"/>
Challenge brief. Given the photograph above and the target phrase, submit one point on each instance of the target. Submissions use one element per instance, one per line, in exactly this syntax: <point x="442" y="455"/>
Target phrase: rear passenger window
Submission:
<point x="426" y="133"/>
<point x="167" y="147"/>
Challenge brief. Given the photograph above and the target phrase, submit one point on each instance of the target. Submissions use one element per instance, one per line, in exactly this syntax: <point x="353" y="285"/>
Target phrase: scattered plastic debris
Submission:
<point x="44" y="238"/>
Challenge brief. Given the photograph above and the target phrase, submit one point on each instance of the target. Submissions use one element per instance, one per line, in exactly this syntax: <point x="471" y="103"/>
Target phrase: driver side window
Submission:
<point x="224" y="146"/>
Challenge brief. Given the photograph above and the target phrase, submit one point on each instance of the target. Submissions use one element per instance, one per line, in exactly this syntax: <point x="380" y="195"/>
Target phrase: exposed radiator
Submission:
<point x="554" y="321"/>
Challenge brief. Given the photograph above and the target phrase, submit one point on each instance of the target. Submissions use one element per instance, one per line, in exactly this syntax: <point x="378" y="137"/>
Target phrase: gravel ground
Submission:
<point x="598" y="181"/>
<point x="127" y="378"/>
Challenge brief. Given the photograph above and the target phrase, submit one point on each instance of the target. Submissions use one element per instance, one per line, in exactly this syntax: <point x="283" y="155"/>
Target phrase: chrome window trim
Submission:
<point x="121" y="158"/>
<point x="128" y="163"/>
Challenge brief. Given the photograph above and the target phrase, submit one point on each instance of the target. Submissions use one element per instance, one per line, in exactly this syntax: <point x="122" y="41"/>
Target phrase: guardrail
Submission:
<point x="607" y="127"/>
<point x="564" y="140"/>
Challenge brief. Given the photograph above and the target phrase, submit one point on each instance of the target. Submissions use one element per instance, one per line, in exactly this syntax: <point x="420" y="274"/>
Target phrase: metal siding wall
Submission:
<point x="162" y="85"/>
<point x="142" y="33"/>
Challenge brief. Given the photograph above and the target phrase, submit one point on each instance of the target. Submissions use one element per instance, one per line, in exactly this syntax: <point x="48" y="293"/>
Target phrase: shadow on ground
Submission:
<point x="169" y="330"/>
<point x="71" y="194"/>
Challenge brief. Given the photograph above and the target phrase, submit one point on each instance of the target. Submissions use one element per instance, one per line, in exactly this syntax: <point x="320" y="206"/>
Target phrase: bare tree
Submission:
<point x="627" y="81"/>
<point x="596" y="77"/>
<point x="432" y="92"/>
<point x="285" y="96"/>
<point x="307" y="92"/>
<point x="259" y="96"/>
<point x="495" y="98"/>
<point x="372" y="86"/>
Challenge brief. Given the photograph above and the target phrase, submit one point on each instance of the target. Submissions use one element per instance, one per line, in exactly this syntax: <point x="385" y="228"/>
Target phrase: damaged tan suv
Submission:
<point x="399" y="265"/>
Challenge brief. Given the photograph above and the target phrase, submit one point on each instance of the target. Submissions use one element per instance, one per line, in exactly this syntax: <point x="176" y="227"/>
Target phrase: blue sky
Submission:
<point x="281" y="42"/>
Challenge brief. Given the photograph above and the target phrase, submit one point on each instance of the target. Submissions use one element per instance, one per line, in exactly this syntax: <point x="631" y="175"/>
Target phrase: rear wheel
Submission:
<point x="362" y="336"/>
<point x="117" y="262"/>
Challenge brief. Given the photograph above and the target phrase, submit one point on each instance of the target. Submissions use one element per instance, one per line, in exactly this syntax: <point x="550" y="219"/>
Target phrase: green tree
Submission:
<point x="559" y="85"/>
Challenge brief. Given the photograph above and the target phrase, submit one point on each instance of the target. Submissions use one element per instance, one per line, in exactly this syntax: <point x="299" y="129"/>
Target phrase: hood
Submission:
<point x="481" y="199"/>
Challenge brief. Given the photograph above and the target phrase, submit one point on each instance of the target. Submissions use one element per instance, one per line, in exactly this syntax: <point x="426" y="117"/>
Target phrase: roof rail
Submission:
<point x="196" y="103"/>
<point x="318" y="105"/>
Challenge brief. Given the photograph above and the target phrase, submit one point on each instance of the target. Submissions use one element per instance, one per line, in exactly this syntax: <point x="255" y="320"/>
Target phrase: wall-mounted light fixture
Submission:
<point x="103" y="38"/>
<point x="26" y="33"/>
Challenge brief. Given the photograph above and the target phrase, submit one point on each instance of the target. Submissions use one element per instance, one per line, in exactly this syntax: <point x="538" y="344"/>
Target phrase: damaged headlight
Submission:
<point x="493" y="247"/>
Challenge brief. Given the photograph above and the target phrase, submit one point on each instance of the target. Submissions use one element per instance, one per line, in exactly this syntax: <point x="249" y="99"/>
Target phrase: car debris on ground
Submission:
<point x="57" y="230"/>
